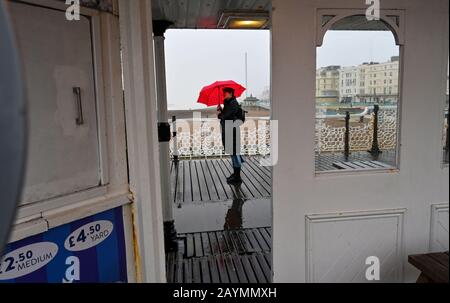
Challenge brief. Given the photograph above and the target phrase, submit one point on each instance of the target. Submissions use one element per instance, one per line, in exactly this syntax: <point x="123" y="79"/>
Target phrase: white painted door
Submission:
<point x="63" y="148"/>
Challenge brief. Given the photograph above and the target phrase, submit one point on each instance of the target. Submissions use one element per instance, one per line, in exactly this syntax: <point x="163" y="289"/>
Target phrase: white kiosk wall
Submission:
<point x="326" y="225"/>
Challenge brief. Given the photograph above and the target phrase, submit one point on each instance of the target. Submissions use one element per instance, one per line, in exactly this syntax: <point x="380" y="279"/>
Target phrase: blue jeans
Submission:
<point x="237" y="161"/>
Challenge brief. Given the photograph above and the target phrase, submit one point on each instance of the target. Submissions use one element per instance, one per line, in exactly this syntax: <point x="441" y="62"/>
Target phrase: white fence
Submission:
<point x="202" y="137"/>
<point x="331" y="138"/>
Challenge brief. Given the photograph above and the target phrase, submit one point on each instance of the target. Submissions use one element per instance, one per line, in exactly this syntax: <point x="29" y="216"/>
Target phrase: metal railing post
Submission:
<point x="174" y="138"/>
<point x="375" y="150"/>
<point x="347" y="136"/>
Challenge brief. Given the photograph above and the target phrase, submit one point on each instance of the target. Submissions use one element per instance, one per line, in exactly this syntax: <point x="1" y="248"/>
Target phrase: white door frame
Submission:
<point x="143" y="154"/>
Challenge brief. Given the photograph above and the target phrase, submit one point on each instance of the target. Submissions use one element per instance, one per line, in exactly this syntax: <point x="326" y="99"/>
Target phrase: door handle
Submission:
<point x="79" y="120"/>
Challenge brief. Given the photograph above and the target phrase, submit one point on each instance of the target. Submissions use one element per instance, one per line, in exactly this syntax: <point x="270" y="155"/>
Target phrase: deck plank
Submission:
<point x="262" y="183"/>
<point x="179" y="271"/>
<point x="221" y="266"/>
<point x="198" y="245"/>
<point x="267" y="236"/>
<point x="237" y="242"/>
<point x="266" y="178"/>
<point x="210" y="185"/>
<point x="187" y="263"/>
<point x="206" y="277"/>
<point x="196" y="270"/>
<point x="196" y="191"/>
<point x="264" y="266"/>
<point x="223" y="245"/>
<point x="187" y="186"/>
<point x="245" y="241"/>
<point x="248" y="269"/>
<point x="214" y="244"/>
<point x="223" y="174"/>
<point x="230" y="244"/>
<point x="231" y="269"/>
<point x="240" y="271"/>
<point x="215" y="276"/>
<point x="206" y="244"/>
<point x="190" y="248"/>
<point x="263" y="169"/>
<point x="262" y="243"/>
<point x="179" y="184"/>
<point x="252" y="239"/>
<point x="204" y="190"/>
<point x="257" y="269"/>
<point x="215" y="178"/>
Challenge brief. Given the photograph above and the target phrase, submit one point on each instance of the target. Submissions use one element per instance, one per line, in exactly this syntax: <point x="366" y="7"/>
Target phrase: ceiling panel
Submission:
<point x="202" y="14"/>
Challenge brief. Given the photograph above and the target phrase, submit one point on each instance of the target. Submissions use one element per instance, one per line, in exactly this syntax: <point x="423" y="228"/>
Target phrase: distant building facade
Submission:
<point x="327" y="84"/>
<point x="370" y="82"/>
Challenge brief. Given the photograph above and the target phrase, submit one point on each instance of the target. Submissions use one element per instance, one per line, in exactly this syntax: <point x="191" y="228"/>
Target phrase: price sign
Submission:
<point x="88" y="235"/>
<point x="27" y="259"/>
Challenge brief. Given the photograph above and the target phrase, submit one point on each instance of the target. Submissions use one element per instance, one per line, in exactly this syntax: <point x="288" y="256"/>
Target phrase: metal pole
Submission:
<point x="347" y="136"/>
<point x="246" y="76"/>
<point x="175" y="140"/>
<point x="375" y="150"/>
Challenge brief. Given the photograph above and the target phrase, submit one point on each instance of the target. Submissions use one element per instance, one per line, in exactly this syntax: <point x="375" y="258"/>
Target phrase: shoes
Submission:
<point x="235" y="177"/>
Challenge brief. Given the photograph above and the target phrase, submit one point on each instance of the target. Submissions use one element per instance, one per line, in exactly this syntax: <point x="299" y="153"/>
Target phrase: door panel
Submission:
<point x="63" y="154"/>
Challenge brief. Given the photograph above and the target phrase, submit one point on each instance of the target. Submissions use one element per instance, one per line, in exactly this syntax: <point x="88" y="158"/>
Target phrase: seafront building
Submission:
<point x="370" y="82"/>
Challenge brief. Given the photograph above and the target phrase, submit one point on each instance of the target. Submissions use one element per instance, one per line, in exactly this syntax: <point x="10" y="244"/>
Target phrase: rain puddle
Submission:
<point x="210" y="216"/>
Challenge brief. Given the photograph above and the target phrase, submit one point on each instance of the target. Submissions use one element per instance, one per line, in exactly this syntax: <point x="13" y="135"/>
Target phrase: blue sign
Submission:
<point x="88" y="250"/>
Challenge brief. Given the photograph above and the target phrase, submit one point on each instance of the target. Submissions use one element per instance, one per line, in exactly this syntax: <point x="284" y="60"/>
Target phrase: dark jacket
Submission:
<point x="229" y="112"/>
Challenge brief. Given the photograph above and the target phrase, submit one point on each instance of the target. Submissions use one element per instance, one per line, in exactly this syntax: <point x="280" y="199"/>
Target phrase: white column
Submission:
<point x="142" y="138"/>
<point x="164" y="159"/>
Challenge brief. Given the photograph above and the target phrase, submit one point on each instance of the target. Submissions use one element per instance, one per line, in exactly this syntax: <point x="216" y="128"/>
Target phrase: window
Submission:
<point x="358" y="131"/>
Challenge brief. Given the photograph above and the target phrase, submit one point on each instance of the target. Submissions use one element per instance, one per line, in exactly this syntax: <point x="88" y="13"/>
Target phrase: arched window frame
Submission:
<point x="394" y="20"/>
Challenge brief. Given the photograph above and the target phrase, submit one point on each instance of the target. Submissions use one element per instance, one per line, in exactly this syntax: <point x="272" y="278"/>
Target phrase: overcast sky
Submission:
<point x="195" y="58"/>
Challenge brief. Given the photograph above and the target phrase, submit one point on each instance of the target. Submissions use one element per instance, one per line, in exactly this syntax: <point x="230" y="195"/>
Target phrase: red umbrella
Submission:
<point x="213" y="95"/>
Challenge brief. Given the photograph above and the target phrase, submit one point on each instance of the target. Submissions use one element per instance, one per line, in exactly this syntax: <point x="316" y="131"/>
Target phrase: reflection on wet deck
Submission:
<point x="224" y="233"/>
<point x="234" y="214"/>
<point x="226" y="256"/>
<point x="205" y="180"/>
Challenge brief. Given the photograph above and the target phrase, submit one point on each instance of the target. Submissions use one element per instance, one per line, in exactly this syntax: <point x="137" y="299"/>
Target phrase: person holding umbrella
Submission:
<point x="229" y="114"/>
<point x="231" y="117"/>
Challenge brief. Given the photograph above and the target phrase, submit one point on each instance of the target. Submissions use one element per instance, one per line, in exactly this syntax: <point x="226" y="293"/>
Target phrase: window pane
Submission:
<point x="357" y="96"/>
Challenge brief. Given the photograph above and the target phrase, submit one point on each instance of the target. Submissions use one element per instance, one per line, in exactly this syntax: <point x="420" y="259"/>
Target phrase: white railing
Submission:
<point x="202" y="137"/>
<point x="330" y="138"/>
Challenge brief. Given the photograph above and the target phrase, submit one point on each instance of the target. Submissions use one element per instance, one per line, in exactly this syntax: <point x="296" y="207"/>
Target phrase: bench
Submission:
<point x="433" y="267"/>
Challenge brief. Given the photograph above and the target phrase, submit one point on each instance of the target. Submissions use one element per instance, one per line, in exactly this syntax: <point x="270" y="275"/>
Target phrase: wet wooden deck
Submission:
<point x="227" y="256"/>
<point x="328" y="161"/>
<point x="202" y="180"/>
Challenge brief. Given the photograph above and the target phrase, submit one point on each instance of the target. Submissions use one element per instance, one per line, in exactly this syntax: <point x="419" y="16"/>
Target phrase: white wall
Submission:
<point x="298" y="193"/>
